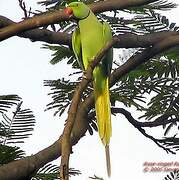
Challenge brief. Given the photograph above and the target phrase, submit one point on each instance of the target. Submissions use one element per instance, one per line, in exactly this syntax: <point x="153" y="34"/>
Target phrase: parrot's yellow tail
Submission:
<point x="103" y="111"/>
<point x="103" y="114"/>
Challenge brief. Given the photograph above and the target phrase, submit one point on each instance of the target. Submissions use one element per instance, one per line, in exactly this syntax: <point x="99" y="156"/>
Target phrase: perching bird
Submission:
<point x="87" y="40"/>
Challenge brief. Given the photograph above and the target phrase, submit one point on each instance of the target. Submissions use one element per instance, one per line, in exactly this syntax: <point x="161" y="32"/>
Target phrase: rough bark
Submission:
<point x="127" y="40"/>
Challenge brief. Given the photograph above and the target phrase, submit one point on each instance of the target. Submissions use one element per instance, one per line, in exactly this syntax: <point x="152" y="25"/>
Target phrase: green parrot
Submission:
<point x="87" y="40"/>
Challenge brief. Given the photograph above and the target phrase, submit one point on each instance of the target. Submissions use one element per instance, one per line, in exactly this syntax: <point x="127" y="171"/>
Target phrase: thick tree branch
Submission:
<point x="127" y="40"/>
<point x="43" y="35"/>
<point x="31" y="23"/>
<point x="110" y="5"/>
<point x="57" y="16"/>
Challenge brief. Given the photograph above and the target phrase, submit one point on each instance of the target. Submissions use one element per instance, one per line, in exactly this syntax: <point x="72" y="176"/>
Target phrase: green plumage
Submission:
<point x="87" y="40"/>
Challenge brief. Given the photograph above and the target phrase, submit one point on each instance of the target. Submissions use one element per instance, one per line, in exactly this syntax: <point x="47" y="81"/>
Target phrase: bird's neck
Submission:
<point x="91" y="19"/>
<point x="89" y="12"/>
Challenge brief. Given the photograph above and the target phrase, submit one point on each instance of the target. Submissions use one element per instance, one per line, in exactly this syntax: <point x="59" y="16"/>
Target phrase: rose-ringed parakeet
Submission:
<point x="88" y="39"/>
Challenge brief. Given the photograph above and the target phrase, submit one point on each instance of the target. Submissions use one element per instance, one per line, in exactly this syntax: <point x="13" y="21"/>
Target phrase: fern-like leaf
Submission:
<point x="7" y="101"/>
<point x="172" y="176"/>
<point x="8" y="154"/>
<point x="19" y="126"/>
<point x="51" y="172"/>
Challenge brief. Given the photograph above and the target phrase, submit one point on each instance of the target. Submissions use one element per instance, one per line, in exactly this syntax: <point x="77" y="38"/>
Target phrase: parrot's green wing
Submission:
<point x="76" y="45"/>
<point x="107" y="36"/>
<point x="87" y="41"/>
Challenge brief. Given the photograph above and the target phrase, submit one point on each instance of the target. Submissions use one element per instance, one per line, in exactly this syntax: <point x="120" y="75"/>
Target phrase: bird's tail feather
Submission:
<point x="108" y="161"/>
<point x="103" y="114"/>
<point x="103" y="110"/>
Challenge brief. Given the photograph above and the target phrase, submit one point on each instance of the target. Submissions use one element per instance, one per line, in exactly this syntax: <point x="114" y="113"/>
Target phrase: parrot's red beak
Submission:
<point x="69" y="11"/>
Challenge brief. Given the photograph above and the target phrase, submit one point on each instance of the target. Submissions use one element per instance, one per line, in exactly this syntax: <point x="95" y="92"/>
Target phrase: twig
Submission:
<point x="66" y="144"/>
<point x="23" y="7"/>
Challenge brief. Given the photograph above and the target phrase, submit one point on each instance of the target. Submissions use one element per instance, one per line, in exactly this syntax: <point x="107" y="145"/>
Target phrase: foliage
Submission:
<point x="51" y="172"/>
<point x="6" y="102"/>
<point x="62" y="53"/>
<point x="10" y="153"/>
<point x="96" y="177"/>
<point x="15" y="126"/>
<point x="172" y="176"/>
<point x="19" y="126"/>
<point x="62" y="93"/>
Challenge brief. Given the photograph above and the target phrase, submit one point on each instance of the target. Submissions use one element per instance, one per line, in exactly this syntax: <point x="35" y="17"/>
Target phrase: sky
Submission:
<point x="23" y="67"/>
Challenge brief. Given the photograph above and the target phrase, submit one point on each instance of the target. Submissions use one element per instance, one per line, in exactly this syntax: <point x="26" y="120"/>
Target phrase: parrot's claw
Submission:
<point x="84" y="75"/>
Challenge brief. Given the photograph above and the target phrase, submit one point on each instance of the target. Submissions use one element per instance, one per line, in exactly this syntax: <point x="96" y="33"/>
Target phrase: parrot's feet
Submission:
<point x="85" y="76"/>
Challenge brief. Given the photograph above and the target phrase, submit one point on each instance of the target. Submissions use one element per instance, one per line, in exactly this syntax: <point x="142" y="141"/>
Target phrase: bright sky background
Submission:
<point x="24" y="66"/>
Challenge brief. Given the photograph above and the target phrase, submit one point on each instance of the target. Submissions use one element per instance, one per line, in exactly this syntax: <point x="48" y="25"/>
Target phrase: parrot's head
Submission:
<point x="77" y="9"/>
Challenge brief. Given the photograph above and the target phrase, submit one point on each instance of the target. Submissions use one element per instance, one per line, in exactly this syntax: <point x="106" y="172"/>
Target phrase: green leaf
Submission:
<point x="9" y="153"/>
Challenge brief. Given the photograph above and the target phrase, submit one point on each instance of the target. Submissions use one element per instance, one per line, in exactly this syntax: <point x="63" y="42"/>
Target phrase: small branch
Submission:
<point x="160" y="121"/>
<point x="66" y="144"/>
<point x="23" y="7"/>
<point x="137" y="125"/>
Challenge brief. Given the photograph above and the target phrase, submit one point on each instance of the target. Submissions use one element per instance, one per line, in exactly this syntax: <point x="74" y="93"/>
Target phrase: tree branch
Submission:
<point x="127" y="40"/>
<point x="24" y="9"/>
<point x="43" y="35"/>
<point x="57" y="16"/>
<point x="137" y="125"/>
<point x="140" y="58"/>
<point x="110" y="5"/>
<point x="66" y="144"/>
